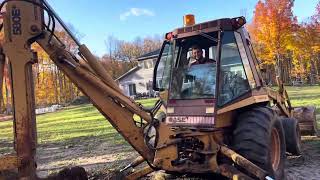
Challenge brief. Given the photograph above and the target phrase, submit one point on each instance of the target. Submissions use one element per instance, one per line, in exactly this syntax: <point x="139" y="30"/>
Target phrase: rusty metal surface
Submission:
<point x="21" y="59"/>
<point x="280" y="99"/>
<point x="168" y="151"/>
<point x="98" y="68"/>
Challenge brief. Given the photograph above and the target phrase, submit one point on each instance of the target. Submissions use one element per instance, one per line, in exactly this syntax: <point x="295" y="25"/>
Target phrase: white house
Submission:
<point x="138" y="80"/>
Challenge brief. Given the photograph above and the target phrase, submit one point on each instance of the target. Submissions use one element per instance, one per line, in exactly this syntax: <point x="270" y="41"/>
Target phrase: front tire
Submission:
<point x="259" y="137"/>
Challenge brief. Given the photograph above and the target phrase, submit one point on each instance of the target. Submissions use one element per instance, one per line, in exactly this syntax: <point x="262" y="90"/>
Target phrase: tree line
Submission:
<point x="286" y="48"/>
<point x="53" y="87"/>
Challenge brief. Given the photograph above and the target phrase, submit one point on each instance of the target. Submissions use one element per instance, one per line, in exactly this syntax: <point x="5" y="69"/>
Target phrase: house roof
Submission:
<point x="128" y="72"/>
<point x="149" y="55"/>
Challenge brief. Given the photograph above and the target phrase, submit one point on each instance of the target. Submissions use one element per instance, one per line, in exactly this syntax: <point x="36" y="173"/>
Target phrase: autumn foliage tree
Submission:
<point x="51" y="85"/>
<point x="271" y="28"/>
<point x="121" y="55"/>
<point x="287" y="48"/>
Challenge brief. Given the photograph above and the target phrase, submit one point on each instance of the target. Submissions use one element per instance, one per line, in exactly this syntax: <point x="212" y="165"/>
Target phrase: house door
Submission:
<point x="132" y="89"/>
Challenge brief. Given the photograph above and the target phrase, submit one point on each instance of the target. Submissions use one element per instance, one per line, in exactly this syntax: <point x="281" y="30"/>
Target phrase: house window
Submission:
<point x="147" y="64"/>
<point x="141" y="64"/>
<point x="154" y="61"/>
<point x="132" y="89"/>
<point x="148" y="86"/>
<point x="159" y="83"/>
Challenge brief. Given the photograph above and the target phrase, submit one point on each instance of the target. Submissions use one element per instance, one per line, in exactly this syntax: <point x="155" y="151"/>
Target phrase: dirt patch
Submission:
<point x="100" y="159"/>
<point x="100" y="155"/>
<point x="306" y="166"/>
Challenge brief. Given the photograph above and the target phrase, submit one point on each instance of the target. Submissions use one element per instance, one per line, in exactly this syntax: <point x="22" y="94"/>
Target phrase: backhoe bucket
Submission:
<point x="306" y="116"/>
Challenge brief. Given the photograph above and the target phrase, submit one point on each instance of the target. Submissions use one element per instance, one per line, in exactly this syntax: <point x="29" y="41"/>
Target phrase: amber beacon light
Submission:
<point x="188" y="20"/>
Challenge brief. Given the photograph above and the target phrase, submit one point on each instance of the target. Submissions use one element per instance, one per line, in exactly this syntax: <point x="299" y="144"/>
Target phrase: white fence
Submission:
<point x="52" y="108"/>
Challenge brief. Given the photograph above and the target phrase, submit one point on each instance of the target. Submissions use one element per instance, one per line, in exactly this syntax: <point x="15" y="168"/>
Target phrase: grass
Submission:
<point x="306" y="96"/>
<point x="69" y="126"/>
<point x="80" y="123"/>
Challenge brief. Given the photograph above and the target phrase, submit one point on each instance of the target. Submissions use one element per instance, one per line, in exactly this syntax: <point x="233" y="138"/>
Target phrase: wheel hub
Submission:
<point x="275" y="149"/>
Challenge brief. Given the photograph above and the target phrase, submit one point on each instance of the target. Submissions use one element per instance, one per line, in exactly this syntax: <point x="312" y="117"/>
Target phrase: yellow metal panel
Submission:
<point x="244" y="102"/>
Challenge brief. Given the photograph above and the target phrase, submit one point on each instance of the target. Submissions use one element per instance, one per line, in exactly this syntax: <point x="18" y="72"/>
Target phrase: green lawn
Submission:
<point x="66" y="126"/>
<point x="303" y="96"/>
<point x="85" y="122"/>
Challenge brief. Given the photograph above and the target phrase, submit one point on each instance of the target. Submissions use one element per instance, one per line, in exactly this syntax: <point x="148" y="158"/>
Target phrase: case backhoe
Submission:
<point x="215" y="118"/>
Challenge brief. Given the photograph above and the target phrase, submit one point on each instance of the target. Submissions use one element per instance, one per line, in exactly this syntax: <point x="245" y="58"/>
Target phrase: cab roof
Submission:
<point x="224" y="24"/>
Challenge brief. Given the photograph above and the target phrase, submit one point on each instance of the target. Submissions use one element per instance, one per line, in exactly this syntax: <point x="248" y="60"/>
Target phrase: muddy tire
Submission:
<point x="259" y="137"/>
<point x="292" y="135"/>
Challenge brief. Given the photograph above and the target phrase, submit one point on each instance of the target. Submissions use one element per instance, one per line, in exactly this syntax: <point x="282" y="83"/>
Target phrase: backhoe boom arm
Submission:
<point x="23" y="25"/>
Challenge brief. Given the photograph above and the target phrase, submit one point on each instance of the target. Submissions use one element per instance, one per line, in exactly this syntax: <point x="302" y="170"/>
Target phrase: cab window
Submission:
<point x="233" y="79"/>
<point x="192" y="80"/>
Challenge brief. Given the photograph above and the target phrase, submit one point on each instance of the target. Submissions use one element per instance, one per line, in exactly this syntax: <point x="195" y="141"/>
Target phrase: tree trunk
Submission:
<point x="55" y="84"/>
<point x="2" y="64"/>
<point x="8" y="89"/>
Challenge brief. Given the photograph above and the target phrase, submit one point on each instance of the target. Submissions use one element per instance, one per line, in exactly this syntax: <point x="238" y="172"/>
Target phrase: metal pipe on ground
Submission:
<point x="134" y="163"/>
<point x="140" y="173"/>
<point x="244" y="163"/>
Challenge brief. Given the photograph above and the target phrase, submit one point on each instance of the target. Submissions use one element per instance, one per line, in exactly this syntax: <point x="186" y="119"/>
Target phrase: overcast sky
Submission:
<point x="127" y="19"/>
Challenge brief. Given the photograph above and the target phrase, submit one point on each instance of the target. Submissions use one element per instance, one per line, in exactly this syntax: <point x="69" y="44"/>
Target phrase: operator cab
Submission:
<point x="195" y="90"/>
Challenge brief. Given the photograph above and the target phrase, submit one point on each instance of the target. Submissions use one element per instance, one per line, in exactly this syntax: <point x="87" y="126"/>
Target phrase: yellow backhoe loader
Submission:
<point x="217" y="117"/>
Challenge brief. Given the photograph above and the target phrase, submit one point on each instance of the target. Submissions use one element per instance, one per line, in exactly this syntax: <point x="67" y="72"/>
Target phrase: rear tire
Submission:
<point x="259" y="137"/>
<point x="292" y="135"/>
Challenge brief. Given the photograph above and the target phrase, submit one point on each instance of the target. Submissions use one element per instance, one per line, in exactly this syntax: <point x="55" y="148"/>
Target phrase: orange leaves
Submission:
<point x="271" y="27"/>
<point x="51" y="86"/>
<point x="280" y="41"/>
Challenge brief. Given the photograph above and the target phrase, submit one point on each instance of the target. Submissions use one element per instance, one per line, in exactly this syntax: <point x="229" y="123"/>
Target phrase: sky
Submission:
<point x="128" y="19"/>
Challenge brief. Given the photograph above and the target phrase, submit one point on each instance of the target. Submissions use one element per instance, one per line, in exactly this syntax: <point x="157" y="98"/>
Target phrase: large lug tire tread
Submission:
<point x="252" y="138"/>
<point x="292" y="135"/>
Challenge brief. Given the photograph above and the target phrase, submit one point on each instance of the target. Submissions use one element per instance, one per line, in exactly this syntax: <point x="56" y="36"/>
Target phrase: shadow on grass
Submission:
<point x="305" y="97"/>
<point x="61" y="121"/>
<point x="6" y="146"/>
<point x="83" y="147"/>
<point x="89" y="151"/>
